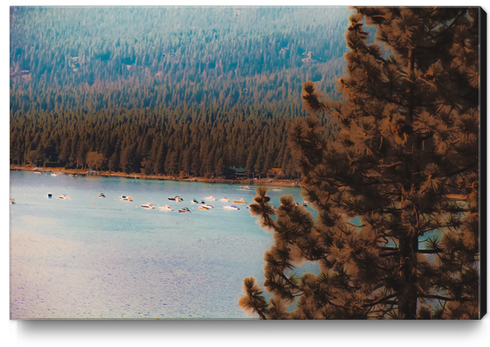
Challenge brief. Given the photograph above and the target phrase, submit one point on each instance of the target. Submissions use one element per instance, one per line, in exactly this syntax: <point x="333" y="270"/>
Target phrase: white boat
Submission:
<point x="64" y="197"/>
<point x="232" y="207"/>
<point x="37" y="172"/>
<point x="148" y="206"/>
<point x="125" y="198"/>
<point x="225" y="199"/>
<point x="277" y="189"/>
<point x="202" y="207"/>
<point x="239" y="201"/>
<point x="210" y="198"/>
<point x="184" y="210"/>
<point x="176" y="198"/>
<point x="54" y="174"/>
<point x="165" y="208"/>
<point x="245" y="188"/>
<point x="203" y="204"/>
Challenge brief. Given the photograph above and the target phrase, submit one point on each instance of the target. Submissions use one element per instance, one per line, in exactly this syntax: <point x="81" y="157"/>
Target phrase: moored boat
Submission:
<point x="194" y="201"/>
<point x="245" y="188"/>
<point x="202" y="207"/>
<point x="49" y="196"/>
<point x="276" y="189"/>
<point x="101" y="195"/>
<point x="148" y="206"/>
<point x="184" y="210"/>
<point x="225" y="199"/>
<point x="64" y="197"/>
<point x="232" y="207"/>
<point x="165" y="208"/>
<point x="175" y="198"/>
<point x="241" y="201"/>
<point x="54" y="174"/>
<point x="125" y="198"/>
<point x="12" y="201"/>
<point x="203" y="204"/>
<point x="210" y="198"/>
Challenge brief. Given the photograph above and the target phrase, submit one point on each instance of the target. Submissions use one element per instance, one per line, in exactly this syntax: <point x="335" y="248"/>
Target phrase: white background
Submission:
<point x="209" y="333"/>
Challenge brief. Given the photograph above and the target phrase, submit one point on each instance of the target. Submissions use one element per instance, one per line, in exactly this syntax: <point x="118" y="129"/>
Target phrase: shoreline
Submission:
<point x="247" y="181"/>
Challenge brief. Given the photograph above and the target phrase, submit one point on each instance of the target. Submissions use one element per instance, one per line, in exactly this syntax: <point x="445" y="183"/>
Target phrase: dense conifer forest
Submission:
<point x="167" y="90"/>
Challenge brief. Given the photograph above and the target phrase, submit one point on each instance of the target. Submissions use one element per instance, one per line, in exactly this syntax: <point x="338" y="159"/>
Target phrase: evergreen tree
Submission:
<point x="220" y="167"/>
<point x="128" y="158"/>
<point x="196" y="163"/>
<point x="161" y="156"/>
<point x="396" y="192"/>
<point x="114" y="161"/>
<point x="249" y="166"/>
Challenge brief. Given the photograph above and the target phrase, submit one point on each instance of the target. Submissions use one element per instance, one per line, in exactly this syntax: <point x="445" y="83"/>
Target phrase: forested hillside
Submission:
<point x="166" y="84"/>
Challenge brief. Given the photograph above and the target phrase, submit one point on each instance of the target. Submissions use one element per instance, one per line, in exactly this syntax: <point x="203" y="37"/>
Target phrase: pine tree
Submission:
<point x="220" y="167"/>
<point x="161" y="157"/>
<point x="396" y="192"/>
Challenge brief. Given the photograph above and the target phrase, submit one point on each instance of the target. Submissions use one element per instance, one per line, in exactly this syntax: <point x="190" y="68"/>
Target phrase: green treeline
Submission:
<point x="197" y="142"/>
<point x="147" y="57"/>
<point x="166" y="90"/>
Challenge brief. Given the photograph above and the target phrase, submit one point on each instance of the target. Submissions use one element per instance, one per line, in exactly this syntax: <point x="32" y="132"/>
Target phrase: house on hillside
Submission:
<point x="236" y="172"/>
<point x="274" y="172"/>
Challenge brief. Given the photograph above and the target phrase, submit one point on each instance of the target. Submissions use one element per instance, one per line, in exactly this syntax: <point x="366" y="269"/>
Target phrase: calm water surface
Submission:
<point x="104" y="258"/>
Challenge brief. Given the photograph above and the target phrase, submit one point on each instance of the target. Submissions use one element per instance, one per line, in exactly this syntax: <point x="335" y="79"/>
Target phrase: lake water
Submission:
<point x="93" y="258"/>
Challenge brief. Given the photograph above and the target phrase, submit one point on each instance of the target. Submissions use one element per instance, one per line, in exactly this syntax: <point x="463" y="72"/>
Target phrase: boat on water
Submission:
<point x="276" y="189"/>
<point x="175" y="198"/>
<point x="245" y="188"/>
<point x="49" y="196"/>
<point x="203" y="204"/>
<point x="148" y="206"/>
<point x="202" y="207"/>
<point x="241" y="201"/>
<point x="194" y="201"/>
<point x="225" y="199"/>
<point x="165" y="208"/>
<point x="37" y="172"/>
<point x="232" y="207"/>
<point x="101" y="195"/>
<point x="54" y="174"/>
<point x="64" y="197"/>
<point x="184" y="210"/>
<point x="125" y="198"/>
<point x="210" y="198"/>
<point x="12" y="201"/>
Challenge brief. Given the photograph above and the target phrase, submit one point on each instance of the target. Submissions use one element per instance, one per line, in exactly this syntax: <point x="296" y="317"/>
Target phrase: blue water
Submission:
<point x="89" y="257"/>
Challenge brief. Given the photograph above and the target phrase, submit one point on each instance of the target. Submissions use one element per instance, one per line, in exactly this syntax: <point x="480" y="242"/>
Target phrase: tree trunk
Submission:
<point x="409" y="245"/>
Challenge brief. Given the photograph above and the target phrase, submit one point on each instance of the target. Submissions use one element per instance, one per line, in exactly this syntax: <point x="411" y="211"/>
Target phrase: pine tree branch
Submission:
<point x="450" y="26"/>
<point x="374" y="303"/>
<point x="430" y="251"/>
<point x="428" y="296"/>
<point x="457" y="172"/>
<point x="387" y="254"/>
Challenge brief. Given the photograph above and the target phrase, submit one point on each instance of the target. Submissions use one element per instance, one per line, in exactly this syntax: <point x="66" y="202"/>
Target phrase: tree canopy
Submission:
<point x="396" y="234"/>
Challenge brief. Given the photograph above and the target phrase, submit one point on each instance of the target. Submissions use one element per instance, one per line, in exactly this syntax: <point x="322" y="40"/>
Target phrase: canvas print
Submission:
<point x="247" y="163"/>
